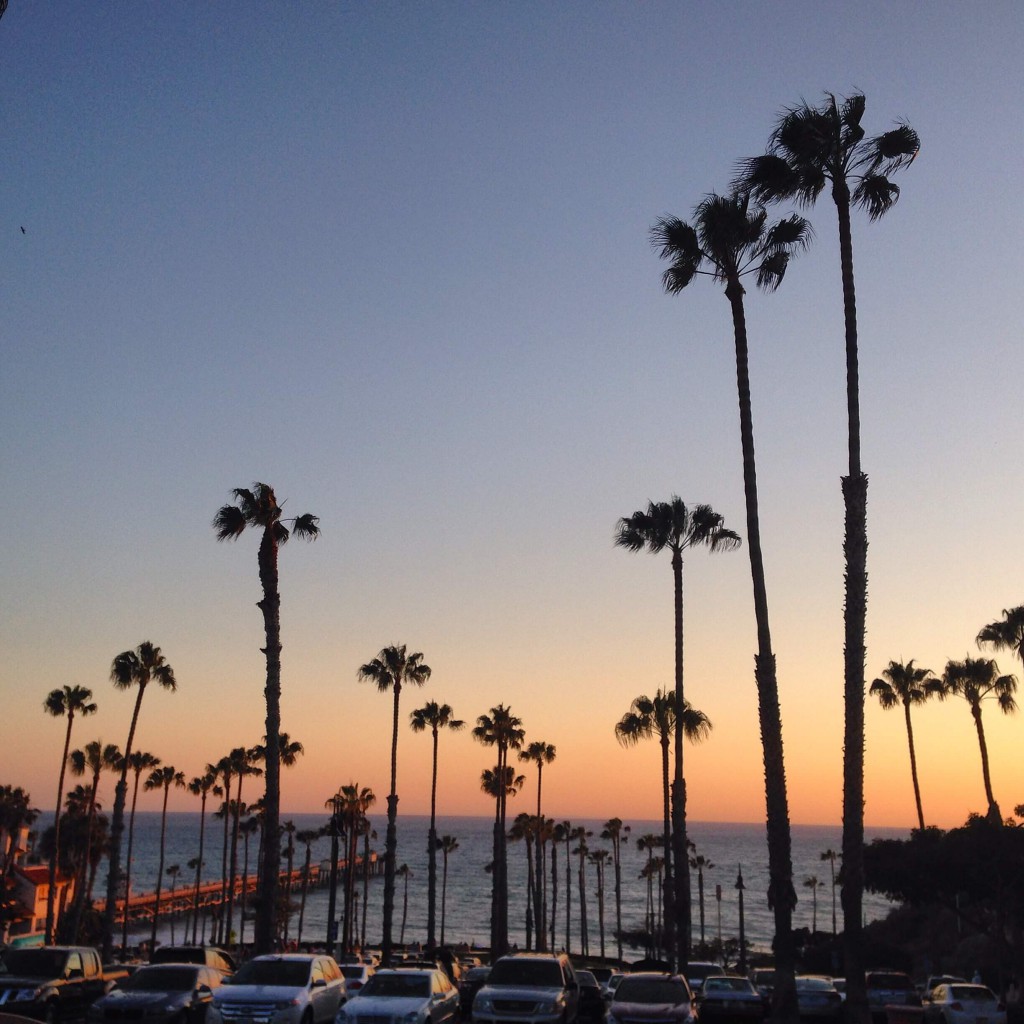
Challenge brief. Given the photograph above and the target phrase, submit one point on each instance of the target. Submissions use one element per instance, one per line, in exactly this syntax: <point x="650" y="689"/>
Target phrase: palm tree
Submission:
<point x="650" y="843"/>
<point x="656" y="716"/>
<point x="243" y="762"/>
<point x="524" y="828"/>
<point x="288" y="830"/>
<point x="201" y="786"/>
<point x="812" y="883"/>
<point x="162" y="778"/>
<point x="16" y="813"/>
<point x="248" y="828"/>
<point x="307" y="837"/>
<point x="368" y="834"/>
<point x="906" y="685"/>
<point x="700" y="864"/>
<point x="140" y="667"/>
<point x="353" y="803"/>
<point x="172" y="873"/>
<point x="404" y="872"/>
<point x="435" y="717"/>
<point x="258" y="509"/>
<point x="599" y="858"/>
<point x="730" y="242"/>
<point x="504" y="731"/>
<point x="670" y="524"/>
<point x="580" y="836"/>
<point x="540" y="753"/>
<point x="830" y="855"/>
<point x="809" y="147"/>
<point x="392" y="668"/>
<point x="564" y="833"/>
<point x="447" y="845"/>
<point x="1005" y="634"/>
<point x="67" y="701"/>
<point x="975" y="680"/>
<point x="617" y="834"/>
<point x="138" y="762"/>
<point x="93" y="759"/>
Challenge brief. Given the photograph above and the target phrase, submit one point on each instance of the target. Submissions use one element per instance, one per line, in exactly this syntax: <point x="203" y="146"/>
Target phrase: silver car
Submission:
<point x="962" y="1003"/>
<point x="403" y="996"/>
<point x="294" y="988"/>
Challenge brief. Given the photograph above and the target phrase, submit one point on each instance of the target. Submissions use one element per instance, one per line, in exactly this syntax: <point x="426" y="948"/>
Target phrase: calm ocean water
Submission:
<point x="729" y="847"/>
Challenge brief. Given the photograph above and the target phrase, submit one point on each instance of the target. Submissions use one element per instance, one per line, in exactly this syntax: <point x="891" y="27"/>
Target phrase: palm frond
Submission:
<point x="896" y="148"/>
<point x="768" y="178"/>
<point x="305" y="526"/>
<point x="229" y="522"/>
<point x="875" y="194"/>
<point x="772" y="270"/>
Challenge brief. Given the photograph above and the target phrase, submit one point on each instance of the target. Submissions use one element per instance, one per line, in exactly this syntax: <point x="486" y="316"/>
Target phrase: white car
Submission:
<point x="962" y="1003"/>
<point x="403" y="996"/>
<point x="293" y="988"/>
<point x="356" y="976"/>
<point x="649" y="998"/>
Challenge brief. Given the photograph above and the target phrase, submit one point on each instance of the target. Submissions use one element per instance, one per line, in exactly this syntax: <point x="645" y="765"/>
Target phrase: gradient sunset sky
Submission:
<point x="393" y="259"/>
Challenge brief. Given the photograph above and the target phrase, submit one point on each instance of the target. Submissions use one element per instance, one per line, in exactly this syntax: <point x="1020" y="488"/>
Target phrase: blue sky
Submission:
<point x="393" y="259"/>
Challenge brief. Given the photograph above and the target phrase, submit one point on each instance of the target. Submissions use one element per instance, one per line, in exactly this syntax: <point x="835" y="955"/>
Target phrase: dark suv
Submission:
<point x="529" y="988"/>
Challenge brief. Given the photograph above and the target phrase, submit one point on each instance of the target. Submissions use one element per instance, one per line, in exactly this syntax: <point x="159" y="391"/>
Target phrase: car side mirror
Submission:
<point x="203" y="991"/>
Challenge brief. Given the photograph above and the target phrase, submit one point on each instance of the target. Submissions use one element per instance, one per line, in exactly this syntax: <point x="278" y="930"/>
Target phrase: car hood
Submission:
<point x="390" y="1006"/>
<point x="126" y="998"/>
<point x="520" y="992"/>
<point x="256" y="993"/>
<point x="650" y="1011"/>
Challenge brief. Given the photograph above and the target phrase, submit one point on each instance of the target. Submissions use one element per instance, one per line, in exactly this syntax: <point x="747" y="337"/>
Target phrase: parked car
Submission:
<point x="410" y="996"/>
<point x="613" y="983"/>
<point x="934" y="980"/>
<point x="159" y="993"/>
<point x="963" y="1003"/>
<point x="591" y="1007"/>
<point x="293" y="988"/>
<point x="209" y="956"/>
<point x="839" y="984"/>
<point x="471" y="982"/>
<point x="730" y="997"/>
<point x="52" y="983"/>
<point x="529" y="988"/>
<point x="651" y="998"/>
<point x="356" y="976"/>
<point x="889" y="988"/>
<point x="604" y="976"/>
<point x="764" y="980"/>
<point x="698" y="970"/>
<point x="817" y="998"/>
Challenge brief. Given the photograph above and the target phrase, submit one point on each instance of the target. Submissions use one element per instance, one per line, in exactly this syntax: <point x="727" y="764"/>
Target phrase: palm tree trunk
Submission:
<point x="51" y="893"/>
<point x="270" y="867"/>
<point x="554" y="888"/>
<point x="128" y="859"/>
<point x="538" y="873"/>
<point x="199" y="869"/>
<point x="160" y="869"/>
<point x="332" y="889"/>
<point x="444" y="892"/>
<point x="913" y="766"/>
<point x="302" y="899"/>
<point x="366" y="883"/>
<point x="582" y="880"/>
<point x="681" y="880"/>
<point x="568" y="890"/>
<point x="993" y="807"/>
<point x="236" y="815"/>
<point x="391" y="840"/>
<point x="81" y="877"/>
<point x="781" y="894"/>
<point x="245" y="891"/>
<point x="432" y="851"/>
<point x="116" y="831"/>
<point x="668" y="888"/>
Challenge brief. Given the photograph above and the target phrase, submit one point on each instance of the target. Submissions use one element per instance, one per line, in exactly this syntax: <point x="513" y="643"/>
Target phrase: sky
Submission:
<point x="394" y="260"/>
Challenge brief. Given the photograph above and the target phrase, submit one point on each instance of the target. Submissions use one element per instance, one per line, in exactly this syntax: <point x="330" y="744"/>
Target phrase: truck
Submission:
<point x="53" y="983"/>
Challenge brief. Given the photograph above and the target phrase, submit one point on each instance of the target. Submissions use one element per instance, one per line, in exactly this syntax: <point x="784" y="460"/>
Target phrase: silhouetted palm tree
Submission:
<point x="162" y="778"/>
<point x="580" y="835"/>
<point x="447" y="845"/>
<point x="599" y="858"/>
<point x="68" y="701"/>
<point x="673" y="526"/>
<point x="812" y="883"/>
<point x="617" y="834"/>
<point x="729" y="242"/>
<point x="906" y="685"/>
<point x="540" y="753"/>
<point x="830" y="855"/>
<point x="248" y="828"/>
<point x="405" y="873"/>
<point x="201" y="786"/>
<point x="307" y="837"/>
<point x="258" y="509"/>
<point x="976" y="680"/>
<point x="140" y="761"/>
<point x="243" y="761"/>
<point x="809" y="148"/>
<point x="524" y="828"/>
<point x="700" y="864"/>
<point x="1005" y="634"/>
<point x="504" y="731"/>
<point x="435" y="717"/>
<point x="352" y="806"/>
<point x="140" y="667"/>
<point x="649" y="843"/>
<point x="288" y="831"/>
<point x="172" y="873"/>
<point x="390" y="670"/>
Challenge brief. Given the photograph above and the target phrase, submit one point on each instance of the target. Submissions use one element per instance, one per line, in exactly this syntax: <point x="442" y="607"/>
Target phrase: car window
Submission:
<point x="398" y="985"/>
<point x="162" y="979"/>
<point x="317" y="973"/>
<point x="726" y="985"/>
<point x="286" y="973"/>
<point x="972" y="993"/>
<point x="652" y="990"/>
<point x="541" y="973"/>
<point x="74" y="962"/>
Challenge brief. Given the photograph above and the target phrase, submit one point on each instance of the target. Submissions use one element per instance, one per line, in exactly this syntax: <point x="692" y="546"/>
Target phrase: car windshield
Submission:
<point x="972" y="993"/>
<point x="352" y="972"/>
<point x="541" y="973"/>
<point x="401" y="985"/>
<point x="813" y="984"/>
<point x="651" y="990"/>
<point x="161" y="979"/>
<point x="726" y="985"/>
<point x="35" y="963"/>
<point x="285" y="973"/>
<point x="890" y="981"/>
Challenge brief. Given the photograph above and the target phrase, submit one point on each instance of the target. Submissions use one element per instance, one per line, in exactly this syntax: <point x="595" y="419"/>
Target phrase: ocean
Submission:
<point x="730" y="848"/>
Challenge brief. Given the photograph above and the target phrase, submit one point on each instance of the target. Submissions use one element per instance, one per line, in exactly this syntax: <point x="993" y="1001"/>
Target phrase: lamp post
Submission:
<point x="743" y="937"/>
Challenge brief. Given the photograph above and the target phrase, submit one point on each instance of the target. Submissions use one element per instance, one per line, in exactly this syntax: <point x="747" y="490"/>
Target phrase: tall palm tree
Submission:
<point x="599" y="858"/>
<point x="831" y="856"/>
<point x="435" y="717"/>
<point x="353" y="804"/>
<point x="700" y="864"/>
<point x="1005" y="634"/>
<point x="524" y="828"/>
<point x="140" y="761"/>
<point x="616" y="833"/>
<point x="162" y="778"/>
<point x="258" y="509"/>
<point x="404" y="872"/>
<point x="136" y="668"/>
<point x="368" y="833"/>
<point x="68" y="701"/>
<point x="580" y="835"/>
<point x="288" y="831"/>
<point x="243" y="762"/>
<point x="976" y="680"/>
<point x="390" y="670"/>
<point x="729" y="242"/>
<point x="563" y="833"/>
<point x="504" y="731"/>
<point x="172" y="873"/>
<point x="656" y="717"/>
<point x="447" y="845"/>
<point x="307" y="837"/>
<point x="540" y="753"/>
<point x="671" y="525"/>
<point x="248" y="828"/>
<point x="812" y="883"/>
<point x="649" y="843"/>
<point x="201" y="786"/>
<point x="92" y="760"/>
<point x="809" y="148"/>
<point x="906" y="685"/>
<point x="16" y="813"/>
